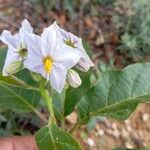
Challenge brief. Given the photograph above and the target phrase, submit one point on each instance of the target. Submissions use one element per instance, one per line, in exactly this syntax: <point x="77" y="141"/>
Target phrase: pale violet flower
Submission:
<point x="73" y="41"/>
<point x="49" y="57"/>
<point x="16" y="48"/>
<point x="73" y="78"/>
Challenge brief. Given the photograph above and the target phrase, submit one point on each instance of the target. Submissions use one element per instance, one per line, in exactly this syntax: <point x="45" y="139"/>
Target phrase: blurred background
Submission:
<point x="115" y="33"/>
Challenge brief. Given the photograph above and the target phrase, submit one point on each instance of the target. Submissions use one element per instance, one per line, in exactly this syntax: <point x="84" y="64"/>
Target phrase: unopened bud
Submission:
<point x="73" y="78"/>
<point x="66" y="86"/>
<point x="83" y="65"/>
<point x="13" y="68"/>
<point x="36" y="76"/>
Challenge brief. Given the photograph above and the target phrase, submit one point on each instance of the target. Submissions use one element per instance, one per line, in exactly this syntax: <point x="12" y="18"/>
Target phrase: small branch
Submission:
<point x="74" y="127"/>
<point x="40" y="116"/>
<point x="48" y="100"/>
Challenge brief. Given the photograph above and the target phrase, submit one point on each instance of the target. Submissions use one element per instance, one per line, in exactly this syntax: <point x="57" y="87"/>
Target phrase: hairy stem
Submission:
<point x="48" y="99"/>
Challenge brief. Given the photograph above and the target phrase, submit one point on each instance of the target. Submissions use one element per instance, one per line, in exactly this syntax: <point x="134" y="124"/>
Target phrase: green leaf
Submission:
<point x="73" y="95"/>
<point x="87" y="48"/>
<point x="69" y="6"/>
<point x="2" y="57"/>
<point x="93" y="122"/>
<point x="17" y="89"/>
<point x="58" y="104"/>
<point x="53" y="138"/>
<point x="27" y="78"/>
<point x="13" y="98"/>
<point x="117" y="94"/>
<point x="14" y="82"/>
<point x="32" y="96"/>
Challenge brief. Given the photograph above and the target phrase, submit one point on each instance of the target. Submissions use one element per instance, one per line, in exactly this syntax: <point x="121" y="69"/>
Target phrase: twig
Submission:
<point x="40" y="116"/>
<point x="38" y="113"/>
<point x="74" y="127"/>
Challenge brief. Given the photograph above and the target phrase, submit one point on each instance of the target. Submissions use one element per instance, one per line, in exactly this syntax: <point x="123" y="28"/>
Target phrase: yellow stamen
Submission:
<point x="48" y="62"/>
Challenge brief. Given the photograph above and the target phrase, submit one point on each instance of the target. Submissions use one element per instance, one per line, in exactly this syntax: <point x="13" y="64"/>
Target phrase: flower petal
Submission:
<point x="85" y="56"/>
<point x="36" y="68"/>
<point x="26" y="26"/>
<point x="10" y="40"/>
<point x="58" y="78"/>
<point x="34" y="56"/>
<point x="34" y="60"/>
<point x="33" y="43"/>
<point x="66" y="56"/>
<point x="49" y="40"/>
<point x="11" y="57"/>
<point x="64" y="35"/>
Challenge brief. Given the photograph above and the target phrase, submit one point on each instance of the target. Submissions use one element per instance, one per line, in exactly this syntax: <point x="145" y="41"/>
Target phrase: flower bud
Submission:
<point x="13" y="68"/>
<point x="73" y="78"/>
<point x="83" y="65"/>
<point x="66" y="86"/>
<point x="36" y="76"/>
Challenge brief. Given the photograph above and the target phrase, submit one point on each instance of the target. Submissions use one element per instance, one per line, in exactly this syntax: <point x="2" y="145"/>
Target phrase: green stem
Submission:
<point x="63" y="123"/>
<point x="48" y="99"/>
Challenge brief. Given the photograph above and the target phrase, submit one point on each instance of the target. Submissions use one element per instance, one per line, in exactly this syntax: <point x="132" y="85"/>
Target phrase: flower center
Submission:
<point x="70" y="43"/>
<point x="22" y="51"/>
<point x="48" y="62"/>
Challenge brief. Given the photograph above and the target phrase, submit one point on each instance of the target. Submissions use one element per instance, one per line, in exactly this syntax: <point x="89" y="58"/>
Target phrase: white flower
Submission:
<point x="50" y="58"/>
<point x="73" y="41"/>
<point x="73" y="78"/>
<point x="16" y="46"/>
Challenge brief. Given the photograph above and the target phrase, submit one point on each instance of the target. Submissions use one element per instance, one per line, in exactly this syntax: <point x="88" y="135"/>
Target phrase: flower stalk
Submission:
<point x="48" y="99"/>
